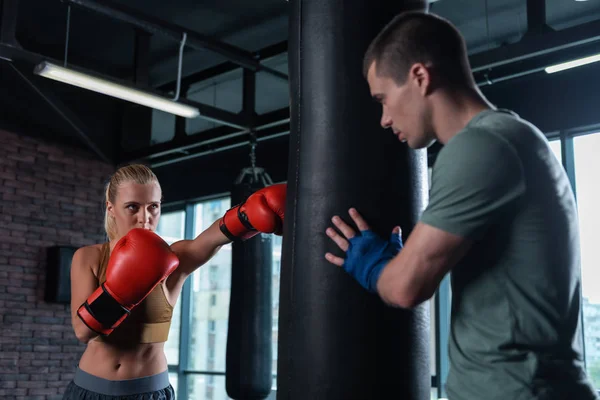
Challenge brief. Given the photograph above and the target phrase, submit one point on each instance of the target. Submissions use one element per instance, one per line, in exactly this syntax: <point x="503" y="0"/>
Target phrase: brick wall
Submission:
<point x="50" y="195"/>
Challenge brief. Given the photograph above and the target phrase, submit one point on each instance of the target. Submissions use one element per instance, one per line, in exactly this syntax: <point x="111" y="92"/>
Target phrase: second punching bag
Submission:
<point x="249" y="362"/>
<point x="336" y="341"/>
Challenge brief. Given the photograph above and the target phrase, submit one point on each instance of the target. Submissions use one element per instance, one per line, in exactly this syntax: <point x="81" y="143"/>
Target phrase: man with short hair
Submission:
<point x="501" y="217"/>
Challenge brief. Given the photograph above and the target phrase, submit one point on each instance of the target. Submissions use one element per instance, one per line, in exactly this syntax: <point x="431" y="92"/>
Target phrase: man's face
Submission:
<point x="405" y="107"/>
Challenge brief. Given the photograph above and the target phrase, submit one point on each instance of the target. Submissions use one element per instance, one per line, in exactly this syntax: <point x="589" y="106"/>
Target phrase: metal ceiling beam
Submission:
<point x="532" y="54"/>
<point x="141" y="58"/>
<point x="226" y="67"/>
<point x="11" y="52"/>
<point x="526" y="67"/>
<point x="218" y="115"/>
<point x="189" y="146"/>
<point x="540" y="47"/>
<point x="536" y="17"/>
<point x="531" y="46"/>
<point x="8" y="27"/>
<point x="175" y="32"/>
<point x="65" y="113"/>
<point x="249" y="94"/>
<point x="240" y="141"/>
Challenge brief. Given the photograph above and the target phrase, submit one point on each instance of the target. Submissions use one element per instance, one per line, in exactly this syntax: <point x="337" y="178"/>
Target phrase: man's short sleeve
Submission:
<point x="476" y="178"/>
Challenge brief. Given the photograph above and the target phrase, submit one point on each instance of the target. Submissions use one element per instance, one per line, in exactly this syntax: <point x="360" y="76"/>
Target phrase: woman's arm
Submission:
<point x="194" y="253"/>
<point x="83" y="284"/>
<point x="263" y="211"/>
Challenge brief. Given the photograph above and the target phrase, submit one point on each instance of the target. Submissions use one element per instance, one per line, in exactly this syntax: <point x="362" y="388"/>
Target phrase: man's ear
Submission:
<point x="420" y="74"/>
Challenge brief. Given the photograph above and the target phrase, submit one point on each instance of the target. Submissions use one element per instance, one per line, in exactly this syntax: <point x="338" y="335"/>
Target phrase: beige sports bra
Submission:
<point x="149" y="322"/>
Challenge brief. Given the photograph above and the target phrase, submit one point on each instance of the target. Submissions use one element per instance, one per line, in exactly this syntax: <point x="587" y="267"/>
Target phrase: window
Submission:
<point x="209" y="311"/>
<point x="556" y="147"/>
<point x="439" y="303"/>
<point x="197" y="367"/>
<point x="587" y="164"/>
<point x="171" y="228"/>
<point x="214" y="270"/>
<point x="276" y="243"/>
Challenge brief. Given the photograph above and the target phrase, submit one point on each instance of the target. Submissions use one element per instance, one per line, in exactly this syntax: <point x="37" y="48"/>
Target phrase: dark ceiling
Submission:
<point x="500" y="36"/>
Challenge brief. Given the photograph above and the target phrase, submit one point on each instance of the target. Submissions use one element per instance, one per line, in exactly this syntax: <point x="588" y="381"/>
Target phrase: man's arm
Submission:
<point x="476" y="181"/>
<point x="413" y="276"/>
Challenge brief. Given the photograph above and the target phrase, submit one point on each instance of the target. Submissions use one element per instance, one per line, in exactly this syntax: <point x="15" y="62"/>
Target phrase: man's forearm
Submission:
<point x="399" y="286"/>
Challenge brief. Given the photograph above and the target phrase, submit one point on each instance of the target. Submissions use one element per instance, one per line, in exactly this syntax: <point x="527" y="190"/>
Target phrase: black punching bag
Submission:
<point x="249" y="359"/>
<point x="336" y="340"/>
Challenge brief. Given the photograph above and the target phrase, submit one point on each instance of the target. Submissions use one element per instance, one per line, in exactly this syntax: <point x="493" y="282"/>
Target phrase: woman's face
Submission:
<point x="136" y="206"/>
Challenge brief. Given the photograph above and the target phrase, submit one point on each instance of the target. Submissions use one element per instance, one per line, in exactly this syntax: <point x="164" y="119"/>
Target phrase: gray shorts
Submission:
<point x="89" y="387"/>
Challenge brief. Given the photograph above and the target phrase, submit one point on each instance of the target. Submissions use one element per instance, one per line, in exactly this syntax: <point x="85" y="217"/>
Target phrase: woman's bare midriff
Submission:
<point x="110" y="362"/>
<point x="124" y="361"/>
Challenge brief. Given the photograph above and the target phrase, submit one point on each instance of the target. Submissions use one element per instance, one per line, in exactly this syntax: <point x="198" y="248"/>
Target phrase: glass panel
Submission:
<point x="172" y="344"/>
<point x="556" y="147"/>
<point x="223" y="91"/>
<point x="429" y="172"/>
<point x="171" y="228"/>
<point x="433" y="325"/>
<point x="276" y="243"/>
<point x="210" y="298"/>
<point x="266" y="83"/>
<point x="207" y="387"/>
<point x="587" y="164"/>
<point x="432" y="334"/>
<point x="173" y="378"/>
<point x="163" y="126"/>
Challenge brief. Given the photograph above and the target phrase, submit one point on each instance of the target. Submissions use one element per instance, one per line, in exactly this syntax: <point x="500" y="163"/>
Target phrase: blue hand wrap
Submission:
<point x="368" y="254"/>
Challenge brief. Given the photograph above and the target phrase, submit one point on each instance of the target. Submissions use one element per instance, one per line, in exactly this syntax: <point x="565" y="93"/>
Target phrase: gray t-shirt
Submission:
<point x="516" y="296"/>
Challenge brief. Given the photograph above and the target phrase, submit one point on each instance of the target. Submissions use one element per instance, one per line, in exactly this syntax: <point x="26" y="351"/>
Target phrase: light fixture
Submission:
<point x="85" y="81"/>
<point x="572" y="64"/>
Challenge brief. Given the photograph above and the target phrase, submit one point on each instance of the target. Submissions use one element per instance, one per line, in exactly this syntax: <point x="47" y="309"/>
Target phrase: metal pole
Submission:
<point x="536" y="16"/>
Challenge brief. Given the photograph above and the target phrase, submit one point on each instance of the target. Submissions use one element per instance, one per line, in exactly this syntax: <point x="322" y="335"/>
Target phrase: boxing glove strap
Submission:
<point x="104" y="310"/>
<point x="244" y="219"/>
<point x="226" y="232"/>
<point x="236" y="226"/>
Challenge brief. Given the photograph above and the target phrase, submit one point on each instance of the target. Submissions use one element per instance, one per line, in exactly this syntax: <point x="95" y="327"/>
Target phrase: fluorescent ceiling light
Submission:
<point x="572" y="64"/>
<point x="109" y="88"/>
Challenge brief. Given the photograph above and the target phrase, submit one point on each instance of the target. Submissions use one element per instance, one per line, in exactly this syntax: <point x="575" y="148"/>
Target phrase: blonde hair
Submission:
<point x="137" y="173"/>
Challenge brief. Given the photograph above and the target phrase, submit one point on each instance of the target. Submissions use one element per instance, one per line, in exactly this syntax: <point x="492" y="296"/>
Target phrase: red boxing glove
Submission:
<point x="140" y="261"/>
<point x="262" y="212"/>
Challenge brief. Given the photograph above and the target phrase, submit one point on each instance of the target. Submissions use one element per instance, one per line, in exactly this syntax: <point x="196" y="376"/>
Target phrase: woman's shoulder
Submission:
<point x="88" y="256"/>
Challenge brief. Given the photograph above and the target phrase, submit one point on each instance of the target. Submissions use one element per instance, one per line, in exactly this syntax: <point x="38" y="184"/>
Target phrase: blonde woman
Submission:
<point x="123" y="291"/>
